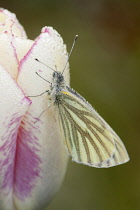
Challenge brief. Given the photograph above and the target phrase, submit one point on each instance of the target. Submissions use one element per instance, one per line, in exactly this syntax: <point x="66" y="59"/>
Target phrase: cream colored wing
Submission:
<point x="89" y="139"/>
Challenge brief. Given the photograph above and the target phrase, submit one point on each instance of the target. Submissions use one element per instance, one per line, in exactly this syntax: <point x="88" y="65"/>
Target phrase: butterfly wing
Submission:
<point x="89" y="139"/>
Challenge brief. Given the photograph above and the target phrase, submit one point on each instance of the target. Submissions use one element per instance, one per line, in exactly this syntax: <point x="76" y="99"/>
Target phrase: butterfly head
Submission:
<point x="58" y="77"/>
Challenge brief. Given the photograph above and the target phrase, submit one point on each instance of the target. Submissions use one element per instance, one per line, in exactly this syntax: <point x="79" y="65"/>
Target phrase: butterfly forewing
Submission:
<point x="89" y="139"/>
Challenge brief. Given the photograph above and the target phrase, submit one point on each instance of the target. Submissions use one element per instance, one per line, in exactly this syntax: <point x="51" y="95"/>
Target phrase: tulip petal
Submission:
<point x="21" y="47"/>
<point x="42" y="157"/>
<point x="13" y="105"/>
<point x="12" y="50"/>
<point x="10" y="25"/>
<point x="8" y="56"/>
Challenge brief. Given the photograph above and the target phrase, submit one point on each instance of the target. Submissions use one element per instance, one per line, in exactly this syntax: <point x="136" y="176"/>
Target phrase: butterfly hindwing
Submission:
<point x="89" y="139"/>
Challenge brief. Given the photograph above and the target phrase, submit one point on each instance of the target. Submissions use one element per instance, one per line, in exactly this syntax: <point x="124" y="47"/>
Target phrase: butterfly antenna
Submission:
<point x="75" y="38"/>
<point x="44" y="64"/>
<point x="42" y="77"/>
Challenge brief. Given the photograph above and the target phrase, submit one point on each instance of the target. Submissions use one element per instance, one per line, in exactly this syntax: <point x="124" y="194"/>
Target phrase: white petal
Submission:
<point x="12" y="50"/>
<point x="8" y="57"/>
<point x="22" y="46"/>
<point x="10" y="25"/>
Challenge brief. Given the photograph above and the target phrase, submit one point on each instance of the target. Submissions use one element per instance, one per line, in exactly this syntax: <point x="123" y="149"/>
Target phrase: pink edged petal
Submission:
<point x="10" y="25"/>
<point x="12" y="50"/>
<point x="13" y="105"/>
<point x="42" y="151"/>
<point x="21" y="46"/>
<point x="8" y="56"/>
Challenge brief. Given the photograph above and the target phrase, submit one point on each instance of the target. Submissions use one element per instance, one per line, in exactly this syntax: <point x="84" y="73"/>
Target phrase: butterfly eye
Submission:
<point x="60" y="78"/>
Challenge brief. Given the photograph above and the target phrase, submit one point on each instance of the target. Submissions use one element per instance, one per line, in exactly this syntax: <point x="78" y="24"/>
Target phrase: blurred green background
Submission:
<point x="105" y="69"/>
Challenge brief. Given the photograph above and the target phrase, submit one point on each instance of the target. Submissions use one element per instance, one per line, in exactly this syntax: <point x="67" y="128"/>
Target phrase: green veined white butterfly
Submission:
<point x="88" y="138"/>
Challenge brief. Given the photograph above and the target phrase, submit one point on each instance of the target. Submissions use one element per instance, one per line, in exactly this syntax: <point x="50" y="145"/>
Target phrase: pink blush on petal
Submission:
<point x="27" y="163"/>
<point x="7" y="152"/>
<point x="8" y="164"/>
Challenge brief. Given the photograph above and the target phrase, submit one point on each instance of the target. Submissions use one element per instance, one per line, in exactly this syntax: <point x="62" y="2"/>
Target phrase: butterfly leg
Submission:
<point x="39" y="94"/>
<point x="42" y="113"/>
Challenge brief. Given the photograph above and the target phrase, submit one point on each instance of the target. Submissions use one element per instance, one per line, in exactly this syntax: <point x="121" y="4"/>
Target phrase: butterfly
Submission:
<point x="88" y="138"/>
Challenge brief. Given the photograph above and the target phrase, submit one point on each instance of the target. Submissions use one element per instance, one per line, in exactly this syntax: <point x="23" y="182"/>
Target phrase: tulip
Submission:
<point x="33" y="158"/>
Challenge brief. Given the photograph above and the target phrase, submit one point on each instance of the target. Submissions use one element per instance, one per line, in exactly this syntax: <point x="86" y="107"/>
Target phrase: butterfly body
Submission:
<point x="56" y="86"/>
<point x="88" y="138"/>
